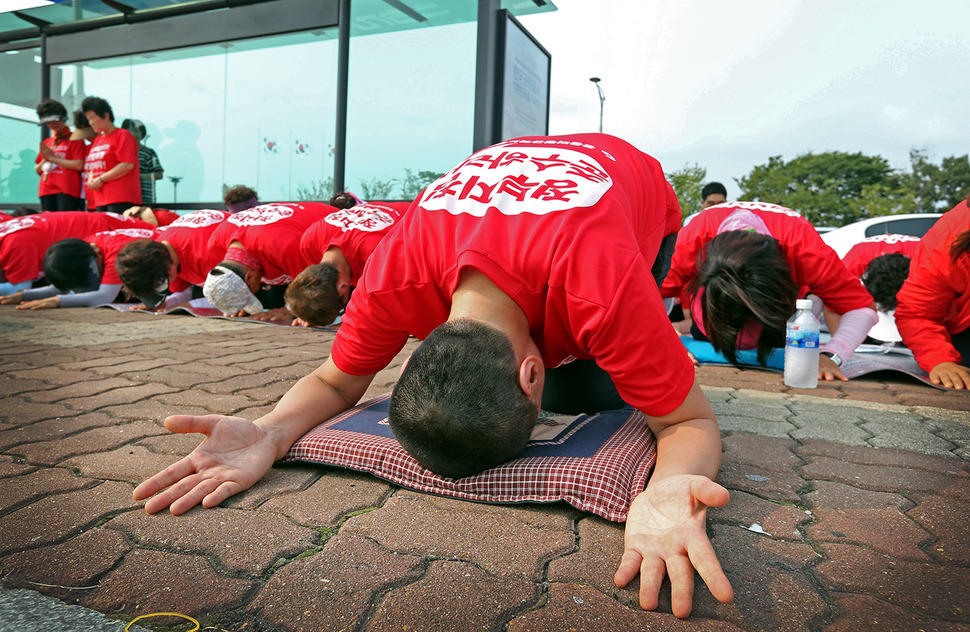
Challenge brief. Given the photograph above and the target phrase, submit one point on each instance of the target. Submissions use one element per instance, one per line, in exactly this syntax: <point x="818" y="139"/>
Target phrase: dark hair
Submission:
<point x="745" y="276"/>
<point x="67" y="264"/>
<point x="313" y="295"/>
<point x="136" y="127"/>
<point x="234" y="266"/>
<point x="99" y="106"/>
<point x="458" y="408"/>
<point x="80" y="120"/>
<point x="961" y="244"/>
<point x="883" y="278"/>
<point x="237" y="194"/>
<point x="711" y="188"/>
<point x="142" y="264"/>
<point x="23" y="211"/>
<point x="343" y="200"/>
<point x="50" y="107"/>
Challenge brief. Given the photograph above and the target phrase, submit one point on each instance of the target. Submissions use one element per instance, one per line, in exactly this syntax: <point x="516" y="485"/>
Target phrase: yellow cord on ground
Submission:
<point x="164" y="614"/>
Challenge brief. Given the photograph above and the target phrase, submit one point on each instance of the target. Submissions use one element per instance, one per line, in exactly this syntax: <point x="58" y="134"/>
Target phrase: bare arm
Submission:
<point x="237" y="453"/>
<point x="666" y="526"/>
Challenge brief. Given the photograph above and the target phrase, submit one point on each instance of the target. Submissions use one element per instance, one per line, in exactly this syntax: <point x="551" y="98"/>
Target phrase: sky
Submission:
<point x="728" y="84"/>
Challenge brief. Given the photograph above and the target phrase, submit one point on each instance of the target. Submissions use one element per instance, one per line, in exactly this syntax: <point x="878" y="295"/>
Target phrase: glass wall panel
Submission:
<point x="19" y="96"/>
<point x="240" y="112"/>
<point x="411" y="104"/>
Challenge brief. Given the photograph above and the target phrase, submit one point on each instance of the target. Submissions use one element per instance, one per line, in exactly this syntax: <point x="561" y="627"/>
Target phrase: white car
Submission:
<point x="842" y="239"/>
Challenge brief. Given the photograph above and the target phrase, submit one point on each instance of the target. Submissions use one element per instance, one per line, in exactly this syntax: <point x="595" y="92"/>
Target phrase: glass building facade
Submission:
<point x="251" y="95"/>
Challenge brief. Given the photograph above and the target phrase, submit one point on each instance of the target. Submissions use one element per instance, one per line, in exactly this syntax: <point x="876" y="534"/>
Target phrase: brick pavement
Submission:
<point x="860" y="493"/>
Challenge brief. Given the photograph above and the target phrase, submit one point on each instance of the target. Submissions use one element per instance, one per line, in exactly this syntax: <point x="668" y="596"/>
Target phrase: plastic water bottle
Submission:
<point x="801" y="347"/>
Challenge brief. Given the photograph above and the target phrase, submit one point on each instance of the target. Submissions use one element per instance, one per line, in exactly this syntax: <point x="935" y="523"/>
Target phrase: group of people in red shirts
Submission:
<point x="94" y="167"/>
<point x="534" y="272"/>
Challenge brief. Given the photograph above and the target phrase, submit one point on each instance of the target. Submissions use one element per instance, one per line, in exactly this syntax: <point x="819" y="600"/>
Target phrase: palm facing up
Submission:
<point x="235" y="454"/>
<point x="666" y="535"/>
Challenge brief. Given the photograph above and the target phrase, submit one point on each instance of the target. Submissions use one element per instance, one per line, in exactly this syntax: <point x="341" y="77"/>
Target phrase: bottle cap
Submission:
<point x="803" y="303"/>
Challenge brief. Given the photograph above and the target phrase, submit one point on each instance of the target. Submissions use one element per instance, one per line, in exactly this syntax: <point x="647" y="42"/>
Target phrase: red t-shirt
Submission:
<point x="105" y="152"/>
<point x="110" y="242"/>
<point x="165" y="216"/>
<point x="189" y="236"/>
<point x="934" y="302"/>
<point x="861" y="255"/>
<point x="568" y="227"/>
<point x="356" y="231"/>
<point x="816" y="268"/>
<point x="272" y="233"/>
<point x="60" y="179"/>
<point x="24" y="240"/>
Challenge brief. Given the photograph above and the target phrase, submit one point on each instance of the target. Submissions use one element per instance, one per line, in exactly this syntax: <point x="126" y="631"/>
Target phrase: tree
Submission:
<point x="412" y="184"/>
<point x="823" y="187"/>
<point x="687" y="183"/>
<point x="317" y="191"/>
<point x="937" y="188"/>
<point x="376" y="189"/>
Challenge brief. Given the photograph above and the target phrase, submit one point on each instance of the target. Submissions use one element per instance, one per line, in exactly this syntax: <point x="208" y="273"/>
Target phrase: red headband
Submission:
<point x="244" y="257"/>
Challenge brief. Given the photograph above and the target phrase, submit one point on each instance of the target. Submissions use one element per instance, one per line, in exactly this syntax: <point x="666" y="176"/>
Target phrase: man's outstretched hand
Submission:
<point x="666" y="535"/>
<point x="235" y="454"/>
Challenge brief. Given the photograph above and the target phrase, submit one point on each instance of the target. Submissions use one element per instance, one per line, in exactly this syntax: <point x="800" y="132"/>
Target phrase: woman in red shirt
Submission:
<point x="933" y="315"/>
<point x="114" y="179"/>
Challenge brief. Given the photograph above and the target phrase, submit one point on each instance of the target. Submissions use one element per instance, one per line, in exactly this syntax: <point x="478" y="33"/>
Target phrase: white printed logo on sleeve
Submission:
<point x="513" y="181"/>
<point x="890" y="238"/>
<point x="137" y="233"/>
<point x="13" y="225"/>
<point x="199" y="219"/>
<point x="366" y="217"/>
<point x="261" y="215"/>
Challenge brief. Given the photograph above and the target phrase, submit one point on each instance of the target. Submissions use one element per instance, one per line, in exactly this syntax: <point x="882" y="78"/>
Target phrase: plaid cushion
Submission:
<point x="596" y="463"/>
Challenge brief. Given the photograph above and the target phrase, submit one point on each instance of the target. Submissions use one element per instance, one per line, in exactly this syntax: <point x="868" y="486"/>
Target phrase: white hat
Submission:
<point x="885" y="330"/>
<point x="228" y="292"/>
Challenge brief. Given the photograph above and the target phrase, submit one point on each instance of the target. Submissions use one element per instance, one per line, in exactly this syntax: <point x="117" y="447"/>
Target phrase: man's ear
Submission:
<point x="532" y="376"/>
<point x="343" y="291"/>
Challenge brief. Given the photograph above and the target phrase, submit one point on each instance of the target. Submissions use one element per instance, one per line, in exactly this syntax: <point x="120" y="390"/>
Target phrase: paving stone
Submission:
<point x="26" y="610"/>
<point x="765" y="427"/>
<point x="778" y="519"/>
<point x="127" y="463"/>
<point x="10" y="467"/>
<point x="247" y="542"/>
<point x="154" y="581"/>
<point x="220" y="404"/>
<point x="779" y="486"/>
<point x="69" y="570"/>
<point x="773" y="588"/>
<point x="20" y="412"/>
<point x="23" y="489"/>
<point x="883" y="478"/>
<point x="867" y="614"/>
<point x="945" y="518"/>
<point x="837" y="430"/>
<point x="885" y="456"/>
<point x="575" y="607"/>
<point x="172" y="376"/>
<point x="330" y="498"/>
<point x="769" y="453"/>
<point x="925" y="588"/>
<point x="16" y="386"/>
<point x="78" y="390"/>
<point x="500" y="544"/>
<point x="236" y="383"/>
<point x="883" y="529"/>
<point x="334" y="589"/>
<point x="55" y="518"/>
<point x="88" y="442"/>
<point x="281" y="479"/>
<point x="912" y="435"/>
<point x="56" y="429"/>
<point x="453" y="596"/>
<point x="54" y="376"/>
<point x="270" y="393"/>
<point x="838" y="496"/>
<point x="555" y="516"/>
<point x="151" y="409"/>
<point x="134" y="364"/>
<point x="595" y="560"/>
<point x="118" y="396"/>
<point x="172" y="444"/>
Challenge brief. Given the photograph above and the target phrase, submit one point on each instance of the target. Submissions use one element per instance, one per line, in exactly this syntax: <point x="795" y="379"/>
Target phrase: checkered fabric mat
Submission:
<point x="595" y="463"/>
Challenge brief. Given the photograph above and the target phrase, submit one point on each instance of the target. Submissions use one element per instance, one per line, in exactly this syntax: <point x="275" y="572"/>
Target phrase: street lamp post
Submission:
<point x="596" y="81"/>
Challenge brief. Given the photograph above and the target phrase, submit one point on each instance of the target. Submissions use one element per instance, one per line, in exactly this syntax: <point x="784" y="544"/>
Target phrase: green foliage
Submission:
<point x="837" y="188"/>
<point x="819" y="186"/>
<point x="377" y="189"/>
<point x="318" y="191"/>
<point x="687" y="183"/>
<point x="412" y="184"/>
